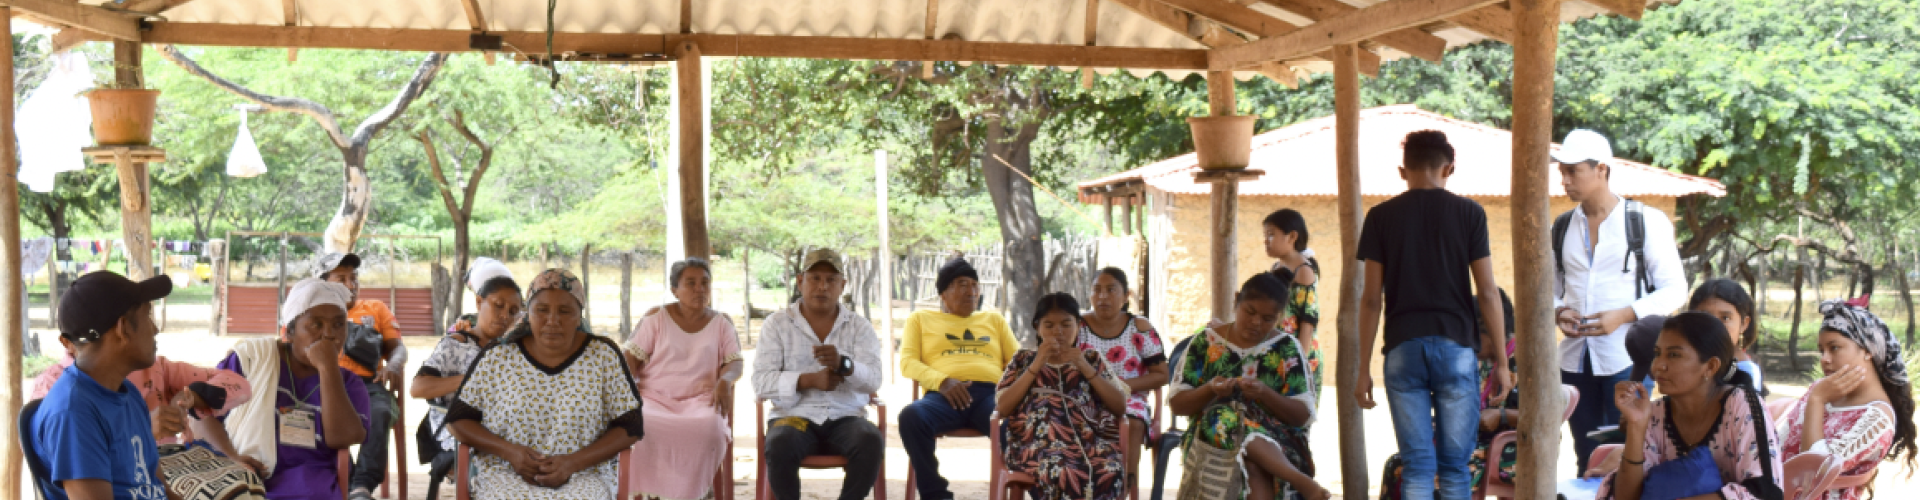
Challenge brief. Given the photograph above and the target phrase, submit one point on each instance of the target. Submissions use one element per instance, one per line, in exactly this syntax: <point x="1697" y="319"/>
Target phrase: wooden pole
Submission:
<point x="881" y="197"/>
<point x="1127" y="214"/>
<point x="136" y="207"/>
<point x="1536" y="29"/>
<point x="217" y="253"/>
<point x="693" y="196"/>
<point x="1346" y="110"/>
<point x="12" y="315"/>
<point x="1225" y="195"/>
<point x="1107" y="201"/>
<point x="586" y="283"/>
<point x="626" y="294"/>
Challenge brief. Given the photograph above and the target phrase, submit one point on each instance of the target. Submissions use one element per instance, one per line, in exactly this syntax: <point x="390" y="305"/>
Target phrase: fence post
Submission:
<point x="626" y="293"/>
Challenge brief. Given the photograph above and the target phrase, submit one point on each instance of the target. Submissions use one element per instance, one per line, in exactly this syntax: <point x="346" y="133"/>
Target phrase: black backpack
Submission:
<point x="1636" y="246"/>
<point x="363" y="344"/>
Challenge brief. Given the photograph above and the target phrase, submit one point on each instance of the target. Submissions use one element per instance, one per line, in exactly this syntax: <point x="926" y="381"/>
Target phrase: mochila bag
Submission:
<point x="363" y="343"/>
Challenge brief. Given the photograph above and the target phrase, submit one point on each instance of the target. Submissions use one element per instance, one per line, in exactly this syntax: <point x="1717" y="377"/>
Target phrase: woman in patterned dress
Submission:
<point x="1132" y="350"/>
<point x="1285" y="231"/>
<point x="497" y="305"/>
<point x="1063" y="406"/>
<point x="1247" y="388"/>
<point x="685" y="360"/>
<point x="1710" y="419"/>
<point x="1862" y="409"/>
<point x="549" y="407"/>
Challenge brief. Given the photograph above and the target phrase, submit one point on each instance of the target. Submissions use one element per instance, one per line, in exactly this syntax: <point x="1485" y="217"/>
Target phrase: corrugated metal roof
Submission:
<point x="1299" y="161"/>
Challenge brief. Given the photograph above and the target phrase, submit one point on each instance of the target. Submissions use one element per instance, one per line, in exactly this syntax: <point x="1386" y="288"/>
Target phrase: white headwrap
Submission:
<point x="310" y="293"/>
<point x="485" y="269"/>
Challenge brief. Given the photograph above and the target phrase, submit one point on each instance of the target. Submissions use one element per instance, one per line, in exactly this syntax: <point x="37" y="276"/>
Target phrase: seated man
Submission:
<point x="375" y="362"/>
<point x="93" y="432"/>
<point x="817" y="362"/>
<point x="957" y="355"/>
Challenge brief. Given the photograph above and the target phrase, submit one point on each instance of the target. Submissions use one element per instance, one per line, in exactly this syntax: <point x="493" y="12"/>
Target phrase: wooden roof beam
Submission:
<point x="1213" y="36"/>
<point x="476" y="18"/>
<point x="1633" y="9"/>
<point x="1411" y="40"/>
<point x="1493" y="21"/>
<point x="153" y="6"/>
<point x="107" y="23"/>
<point x="712" y="45"/>
<point x="1351" y="27"/>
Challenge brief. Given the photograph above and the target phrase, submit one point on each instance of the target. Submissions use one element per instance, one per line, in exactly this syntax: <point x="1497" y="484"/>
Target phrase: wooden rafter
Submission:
<point x="476" y="18"/>
<point x="1091" y="33"/>
<point x="106" y="23"/>
<point x="1493" y="21"/>
<point x="686" y="16"/>
<point x="290" y="11"/>
<point x="933" y="18"/>
<point x="1351" y="27"/>
<point x="1413" y="41"/>
<point x="712" y="45"/>
<point x="1214" y="36"/>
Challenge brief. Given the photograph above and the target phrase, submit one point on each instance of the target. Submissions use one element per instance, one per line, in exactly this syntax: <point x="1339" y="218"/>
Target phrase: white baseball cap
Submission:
<point x="1583" y="145"/>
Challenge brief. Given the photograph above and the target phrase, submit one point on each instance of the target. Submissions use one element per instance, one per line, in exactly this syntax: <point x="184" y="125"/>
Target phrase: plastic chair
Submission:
<point x="463" y="485"/>
<point x="764" y="491"/>
<point x="42" y="480"/>
<point x="1169" y="438"/>
<point x="1777" y="409"/>
<point x="1599" y="455"/>
<point x="1803" y="474"/>
<point x="399" y="455"/>
<point x="1495" y="487"/>
<point x="722" y="478"/>
<point x="998" y="465"/>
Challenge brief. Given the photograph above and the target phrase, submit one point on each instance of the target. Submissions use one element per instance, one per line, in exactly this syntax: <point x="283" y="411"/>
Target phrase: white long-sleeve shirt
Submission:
<point x="786" y="352"/>
<point x="1593" y="283"/>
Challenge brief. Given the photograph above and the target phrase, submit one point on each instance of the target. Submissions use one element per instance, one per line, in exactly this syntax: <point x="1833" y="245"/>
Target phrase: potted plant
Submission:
<point x="122" y="114"/>
<point x="1222" y="142"/>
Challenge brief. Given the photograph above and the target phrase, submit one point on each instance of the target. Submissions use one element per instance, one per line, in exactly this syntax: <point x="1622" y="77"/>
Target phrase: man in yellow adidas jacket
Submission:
<point x="956" y="354"/>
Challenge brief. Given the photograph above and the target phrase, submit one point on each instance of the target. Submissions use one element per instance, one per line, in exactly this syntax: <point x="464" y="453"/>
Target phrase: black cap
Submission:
<point x="97" y="301"/>
<point x="953" y="270"/>
<point x="1641" y="335"/>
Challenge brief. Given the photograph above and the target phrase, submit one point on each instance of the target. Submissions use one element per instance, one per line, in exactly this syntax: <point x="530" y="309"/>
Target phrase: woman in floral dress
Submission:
<point x="1063" y="407"/>
<point x="1132" y="349"/>
<point x="1285" y="232"/>
<point x="1247" y="387"/>
<point x="1862" y="409"/>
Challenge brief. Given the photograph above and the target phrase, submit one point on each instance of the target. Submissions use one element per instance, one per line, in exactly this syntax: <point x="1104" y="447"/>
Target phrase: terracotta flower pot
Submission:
<point x="1222" y="142"/>
<point x="123" y="116"/>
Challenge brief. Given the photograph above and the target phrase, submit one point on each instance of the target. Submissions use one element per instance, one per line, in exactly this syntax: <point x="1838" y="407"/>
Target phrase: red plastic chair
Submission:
<point x="764" y="491"/>
<point x="1803" y="475"/>
<point x="998" y="464"/>
<point x="1599" y="455"/>
<point x="343" y="463"/>
<point x="1495" y="487"/>
<point x="399" y="455"/>
<point x="463" y="485"/>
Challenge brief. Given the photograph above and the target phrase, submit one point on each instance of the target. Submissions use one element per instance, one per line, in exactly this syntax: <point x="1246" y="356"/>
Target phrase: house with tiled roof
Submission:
<point x="1300" y="173"/>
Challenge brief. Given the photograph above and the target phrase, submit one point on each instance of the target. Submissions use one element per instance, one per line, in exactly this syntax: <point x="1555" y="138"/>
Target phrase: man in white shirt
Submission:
<point x="1600" y="289"/>
<point x="817" y="362"/>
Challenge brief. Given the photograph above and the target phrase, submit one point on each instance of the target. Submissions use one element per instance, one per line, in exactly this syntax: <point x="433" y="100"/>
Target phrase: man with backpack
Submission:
<point x="374" y="352"/>
<point x="1616" y="262"/>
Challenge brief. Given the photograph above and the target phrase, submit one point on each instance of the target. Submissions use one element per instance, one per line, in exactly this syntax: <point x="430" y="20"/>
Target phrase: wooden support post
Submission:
<point x="1226" y="195"/>
<point x="1127" y="213"/>
<point x="1536" y="28"/>
<point x="693" y="196"/>
<point x="12" y="287"/>
<point x="1140" y="216"/>
<point x="217" y="254"/>
<point x="1107" y="201"/>
<point x="626" y="294"/>
<point x="586" y="283"/>
<point x="1346" y="112"/>
<point x="136" y="207"/>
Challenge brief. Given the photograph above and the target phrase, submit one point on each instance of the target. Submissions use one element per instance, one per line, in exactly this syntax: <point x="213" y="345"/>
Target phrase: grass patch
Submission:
<point x="31" y="366"/>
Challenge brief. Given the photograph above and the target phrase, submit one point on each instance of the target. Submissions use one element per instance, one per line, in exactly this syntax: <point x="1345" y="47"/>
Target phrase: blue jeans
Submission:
<point x="1433" y="388"/>
<point x="1595" y="409"/>
<point x="922" y="423"/>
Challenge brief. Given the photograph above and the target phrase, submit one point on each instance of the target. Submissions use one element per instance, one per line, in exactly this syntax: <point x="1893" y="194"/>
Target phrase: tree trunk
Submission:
<point x="1009" y="148"/>
<point x="1906" y="298"/>
<point x="462" y="255"/>
<point x="1793" y="335"/>
<point x="1760" y="286"/>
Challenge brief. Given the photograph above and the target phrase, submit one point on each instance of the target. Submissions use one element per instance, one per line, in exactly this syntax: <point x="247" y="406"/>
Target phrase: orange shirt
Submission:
<point x="372" y="312"/>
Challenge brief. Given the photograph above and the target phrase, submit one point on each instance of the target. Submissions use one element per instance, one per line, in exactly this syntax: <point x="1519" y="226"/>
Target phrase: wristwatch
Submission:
<point x="846" y="366"/>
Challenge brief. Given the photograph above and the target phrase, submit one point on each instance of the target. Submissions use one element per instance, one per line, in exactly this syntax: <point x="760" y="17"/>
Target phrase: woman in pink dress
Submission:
<point x="684" y="359"/>
<point x="1861" y="409"/>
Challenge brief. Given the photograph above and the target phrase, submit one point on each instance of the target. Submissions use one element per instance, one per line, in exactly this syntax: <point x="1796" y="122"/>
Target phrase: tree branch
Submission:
<point x="439" y="177"/>
<point x="314" y="110"/>
<point x="422" y="77"/>
<point x="459" y="122"/>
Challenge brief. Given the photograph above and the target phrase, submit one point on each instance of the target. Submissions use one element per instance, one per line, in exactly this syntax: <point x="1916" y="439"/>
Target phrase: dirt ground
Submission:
<point x="965" y="461"/>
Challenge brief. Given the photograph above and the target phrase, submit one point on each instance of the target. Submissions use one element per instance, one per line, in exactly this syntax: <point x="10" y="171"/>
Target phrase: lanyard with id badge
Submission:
<point x="298" y="423"/>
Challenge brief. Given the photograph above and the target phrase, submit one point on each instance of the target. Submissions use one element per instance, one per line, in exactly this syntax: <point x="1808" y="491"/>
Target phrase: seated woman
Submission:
<point x="320" y="408"/>
<point x="1710" y="419"/>
<point x="1861" y="410"/>
<point x="685" y="362"/>
<point x="1499" y="413"/>
<point x="496" y="306"/>
<point x="1247" y="388"/>
<point x="548" y="408"/>
<point x="1063" y="407"/>
<point x="1726" y="299"/>
<point x="1133" y="351"/>
<point x="181" y="396"/>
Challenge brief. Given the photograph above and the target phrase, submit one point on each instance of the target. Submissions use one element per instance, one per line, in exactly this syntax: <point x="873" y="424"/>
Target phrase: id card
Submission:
<point x="297" y="428"/>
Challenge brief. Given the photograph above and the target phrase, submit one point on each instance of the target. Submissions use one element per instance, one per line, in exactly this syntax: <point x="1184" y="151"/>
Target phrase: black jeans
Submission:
<point x="370" y="468"/>
<point x="789" y="442"/>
